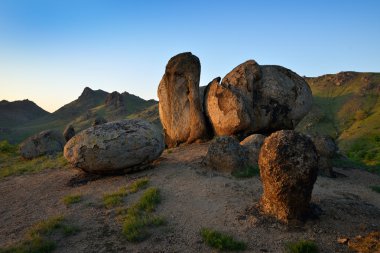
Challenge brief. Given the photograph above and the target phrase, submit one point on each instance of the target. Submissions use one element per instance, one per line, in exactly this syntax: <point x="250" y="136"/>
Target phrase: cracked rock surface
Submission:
<point x="119" y="146"/>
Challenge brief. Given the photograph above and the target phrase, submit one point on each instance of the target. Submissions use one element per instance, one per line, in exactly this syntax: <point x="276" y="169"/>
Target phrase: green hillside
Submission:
<point x="347" y="107"/>
<point x="81" y="113"/>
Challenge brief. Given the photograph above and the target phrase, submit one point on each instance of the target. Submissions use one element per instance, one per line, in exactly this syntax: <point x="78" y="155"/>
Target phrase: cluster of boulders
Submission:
<point x="250" y="102"/>
<point x="249" y="99"/>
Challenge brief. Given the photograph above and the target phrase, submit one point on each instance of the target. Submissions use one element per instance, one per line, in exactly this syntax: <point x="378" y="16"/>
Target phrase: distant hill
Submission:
<point x="18" y="112"/>
<point x="80" y="113"/>
<point x="347" y="107"/>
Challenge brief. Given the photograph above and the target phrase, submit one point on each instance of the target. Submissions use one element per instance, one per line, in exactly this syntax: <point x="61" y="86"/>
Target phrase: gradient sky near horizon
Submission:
<point x="51" y="50"/>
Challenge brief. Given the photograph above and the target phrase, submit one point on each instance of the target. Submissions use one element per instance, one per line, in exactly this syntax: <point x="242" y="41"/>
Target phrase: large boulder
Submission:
<point x="288" y="165"/>
<point x="119" y="146"/>
<point x="44" y="143"/>
<point x="225" y="154"/>
<point x="229" y="104"/>
<point x="253" y="144"/>
<point x="253" y="98"/>
<point x="69" y="132"/>
<point x="327" y="149"/>
<point x="283" y="98"/>
<point x="179" y="101"/>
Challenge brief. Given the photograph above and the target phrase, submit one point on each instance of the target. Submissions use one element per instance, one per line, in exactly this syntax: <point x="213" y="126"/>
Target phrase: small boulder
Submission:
<point x="253" y="143"/>
<point x="288" y="165"/>
<point x="47" y="142"/>
<point x="179" y="101"/>
<point x="99" y="121"/>
<point x="69" y="132"/>
<point x="114" y="147"/>
<point x="326" y="149"/>
<point x="225" y="154"/>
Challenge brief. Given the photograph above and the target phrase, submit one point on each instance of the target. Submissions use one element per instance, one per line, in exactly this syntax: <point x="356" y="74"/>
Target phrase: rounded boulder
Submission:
<point x="114" y="147"/>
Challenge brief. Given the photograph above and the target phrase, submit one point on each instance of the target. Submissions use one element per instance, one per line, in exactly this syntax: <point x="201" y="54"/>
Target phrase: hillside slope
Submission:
<point x="347" y="107"/>
<point x="18" y="112"/>
<point x="81" y="112"/>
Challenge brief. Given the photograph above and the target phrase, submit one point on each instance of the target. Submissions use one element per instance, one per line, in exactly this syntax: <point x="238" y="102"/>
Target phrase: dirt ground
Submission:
<point x="193" y="197"/>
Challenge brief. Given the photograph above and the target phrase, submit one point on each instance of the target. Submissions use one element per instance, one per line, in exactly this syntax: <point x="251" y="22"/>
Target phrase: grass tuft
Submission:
<point x="116" y="198"/>
<point x="247" y="172"/>
<point x="302" y="246"/>
<point x="375" y="188"/>
<point x="139" y="217"/>
<point x="37" y="239"/>
<point x="72" y="199"/>
<point x="138" y="184"/>
<point x="221" y="241"/>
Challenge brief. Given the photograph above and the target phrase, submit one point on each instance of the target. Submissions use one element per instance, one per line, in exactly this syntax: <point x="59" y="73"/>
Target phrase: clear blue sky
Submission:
<point x="51" y="50"/>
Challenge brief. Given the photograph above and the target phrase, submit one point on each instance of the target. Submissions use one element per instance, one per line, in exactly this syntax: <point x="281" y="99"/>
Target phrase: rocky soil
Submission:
<point x="193" y="197"/>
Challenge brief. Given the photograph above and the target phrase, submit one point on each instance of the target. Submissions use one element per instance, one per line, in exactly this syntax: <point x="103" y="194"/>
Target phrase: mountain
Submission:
<point x="347" y="107"/>
<point x="19" y="112"/>
<point x="80" y="113"/>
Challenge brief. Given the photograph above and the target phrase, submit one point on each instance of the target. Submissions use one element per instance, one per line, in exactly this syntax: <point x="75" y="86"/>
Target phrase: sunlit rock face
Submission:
<point x="288" y="163"/>
<point x="257" y="99"/>
<point x="179" y="101"/>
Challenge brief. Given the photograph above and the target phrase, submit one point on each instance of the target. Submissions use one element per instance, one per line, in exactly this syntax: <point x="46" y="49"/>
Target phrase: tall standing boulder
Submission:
<point x="69" y="132"/>
<point x="179" y="101"/>
<point x="47" y="142"/>
<point x="288" y="165"/>
<point x="119" y="146"/>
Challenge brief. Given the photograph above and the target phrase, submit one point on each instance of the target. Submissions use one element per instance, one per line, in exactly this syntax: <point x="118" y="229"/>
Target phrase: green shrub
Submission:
<point x="303" y="246"/>
<point x="221" y="241"/>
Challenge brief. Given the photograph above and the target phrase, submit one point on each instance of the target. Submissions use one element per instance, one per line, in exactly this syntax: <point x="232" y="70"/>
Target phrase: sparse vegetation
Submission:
<point x="221" y="241"/>
<point x="12" y="164"/>
<point x="138" y="184"/>
<point x="249" y="171"/>
<point x="37" y="239"/>
<point x="140" y="216"/>
<point x="116" y="198"/>
<point x="302" y="246"/>
<point x="5" y="147"/>
<point x="375" y="188"/>
<point x="72" y="199"/>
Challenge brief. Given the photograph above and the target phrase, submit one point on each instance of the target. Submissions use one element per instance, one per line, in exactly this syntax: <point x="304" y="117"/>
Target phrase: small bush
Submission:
<point x="248" y="172"/>
<point x="139" y="217"/>
<point x="221" y="241"/>
<point x="302" y="246"/>
<point x="72" y="199"/>
<point x="375" y="188"/>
